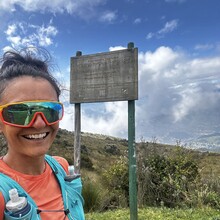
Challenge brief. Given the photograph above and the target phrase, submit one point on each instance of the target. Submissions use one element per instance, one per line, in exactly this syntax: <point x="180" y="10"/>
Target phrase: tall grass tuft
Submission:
<point x="91" y="194"/>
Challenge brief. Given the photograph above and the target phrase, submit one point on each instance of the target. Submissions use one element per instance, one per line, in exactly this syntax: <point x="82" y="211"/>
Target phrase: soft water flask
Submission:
<point x="72" y="175"/>
<point x="17" y="206"/>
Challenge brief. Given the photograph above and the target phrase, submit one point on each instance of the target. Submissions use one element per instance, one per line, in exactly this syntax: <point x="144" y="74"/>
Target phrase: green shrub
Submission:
<point x="86" y="162"/>
<point x="91" y="194"/>
<point x="116" y="181"/>
<point x="170" y="178"/>
<point x="212" y="199"/>
<point x="112" y="200"/>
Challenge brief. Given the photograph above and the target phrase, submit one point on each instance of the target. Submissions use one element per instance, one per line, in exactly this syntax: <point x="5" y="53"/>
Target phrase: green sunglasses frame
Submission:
<point x="35" y="114"/>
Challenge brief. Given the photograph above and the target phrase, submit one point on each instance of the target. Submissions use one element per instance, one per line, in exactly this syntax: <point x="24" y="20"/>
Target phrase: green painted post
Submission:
<point x="132" y="161"/>
<point x="132" y="157"/>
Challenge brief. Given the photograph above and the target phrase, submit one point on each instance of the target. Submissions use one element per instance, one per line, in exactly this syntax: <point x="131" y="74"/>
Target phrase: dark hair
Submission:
<point x="27" y="62"/>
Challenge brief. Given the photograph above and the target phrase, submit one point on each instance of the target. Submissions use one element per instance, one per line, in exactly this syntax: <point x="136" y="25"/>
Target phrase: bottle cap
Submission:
<point x="15" y="203"/>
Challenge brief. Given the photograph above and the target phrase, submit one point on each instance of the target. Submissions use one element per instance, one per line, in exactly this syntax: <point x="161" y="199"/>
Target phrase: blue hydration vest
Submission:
<point x="71" y="194"/>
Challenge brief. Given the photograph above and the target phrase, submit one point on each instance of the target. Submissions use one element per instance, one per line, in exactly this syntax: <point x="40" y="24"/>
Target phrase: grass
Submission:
<point x="159" y="214"/>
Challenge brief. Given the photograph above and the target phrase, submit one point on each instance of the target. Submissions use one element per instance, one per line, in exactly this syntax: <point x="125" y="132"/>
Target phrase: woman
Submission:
<point x="30" y="112"/>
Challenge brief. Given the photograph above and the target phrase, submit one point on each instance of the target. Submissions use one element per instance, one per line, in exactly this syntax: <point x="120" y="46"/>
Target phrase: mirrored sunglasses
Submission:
<point x="23" y="114"/>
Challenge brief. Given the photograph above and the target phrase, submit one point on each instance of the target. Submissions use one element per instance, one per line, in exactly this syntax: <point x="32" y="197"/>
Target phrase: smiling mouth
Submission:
<point x="40" y="136"/>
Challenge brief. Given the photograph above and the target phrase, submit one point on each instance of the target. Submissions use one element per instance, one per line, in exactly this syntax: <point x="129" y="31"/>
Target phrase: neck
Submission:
<point x="26" y="165"/>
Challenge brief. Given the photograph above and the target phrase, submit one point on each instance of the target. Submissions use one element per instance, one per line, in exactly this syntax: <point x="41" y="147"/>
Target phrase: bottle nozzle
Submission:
<point x="13" y="194"/>
<point x="71" y="170"/>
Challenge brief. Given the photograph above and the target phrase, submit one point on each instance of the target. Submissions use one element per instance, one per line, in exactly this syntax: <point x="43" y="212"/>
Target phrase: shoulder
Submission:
<point x="63" y="162"/>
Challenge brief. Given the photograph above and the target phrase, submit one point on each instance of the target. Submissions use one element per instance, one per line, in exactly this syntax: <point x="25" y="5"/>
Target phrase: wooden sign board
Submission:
<point x="103" y="77"/>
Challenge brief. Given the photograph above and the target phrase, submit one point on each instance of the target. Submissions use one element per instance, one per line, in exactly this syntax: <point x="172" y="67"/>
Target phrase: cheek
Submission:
<point x="55" y="128"/>
<point x="9" y="131"/>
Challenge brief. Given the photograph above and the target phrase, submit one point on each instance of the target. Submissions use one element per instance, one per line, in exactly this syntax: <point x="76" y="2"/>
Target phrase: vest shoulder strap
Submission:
<point x="7" y="183"/>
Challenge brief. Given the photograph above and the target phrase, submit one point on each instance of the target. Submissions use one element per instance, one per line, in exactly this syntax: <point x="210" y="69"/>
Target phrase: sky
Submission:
<point x="178" y="45"/>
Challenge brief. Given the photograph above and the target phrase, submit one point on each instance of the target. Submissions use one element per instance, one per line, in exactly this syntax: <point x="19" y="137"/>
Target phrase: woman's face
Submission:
<point x="37" y="139"/>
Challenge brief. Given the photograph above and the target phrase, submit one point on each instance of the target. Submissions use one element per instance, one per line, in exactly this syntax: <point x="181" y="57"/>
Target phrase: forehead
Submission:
<point x="27" y="88"/>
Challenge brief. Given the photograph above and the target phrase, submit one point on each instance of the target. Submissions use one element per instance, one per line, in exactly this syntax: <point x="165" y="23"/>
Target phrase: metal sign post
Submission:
<point x="77" y="138"/>
<point x="132" y="161"/>
<point x="132" y="157"/>
<point x="77" y="133"/>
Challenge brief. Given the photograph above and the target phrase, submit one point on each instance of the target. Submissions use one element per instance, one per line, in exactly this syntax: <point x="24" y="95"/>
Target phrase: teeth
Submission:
<point x="36" y="136"/>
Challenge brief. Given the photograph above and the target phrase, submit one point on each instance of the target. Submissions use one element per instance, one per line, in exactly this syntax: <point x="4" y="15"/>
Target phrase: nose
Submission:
<point x="39" y="122"/>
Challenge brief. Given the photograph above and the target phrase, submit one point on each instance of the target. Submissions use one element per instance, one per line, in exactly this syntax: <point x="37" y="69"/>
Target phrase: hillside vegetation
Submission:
<point x="99" y="152"/>
<point x="168" y="176"/>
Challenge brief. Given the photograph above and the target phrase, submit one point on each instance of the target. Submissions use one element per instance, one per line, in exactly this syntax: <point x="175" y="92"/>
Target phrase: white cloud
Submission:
<point x="7" y="48"/>
<point x="57" y="6"/>
<point x="117" y="48"/>
<point x="137" y="21"/>
<point x="189" y="100"/>
<point x="204" y="46"/>
<point x="68" y="118"/>
<point x="45" y="33"/>
<point x="84" y="9"/>
<point x="21" y="34"/>
<point x="15" y="40"/>
<point x="40" y="5"/>
<point x="112" y="122"/>
<point x="108" y="118"/>
<point x="161" y="60"/>
<point x="108" y="16"/>
<point x="177" y="91"/>
<point x="150" y="35"/>
<point x="169" y="26"/>
<point x="11" y="29"/>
